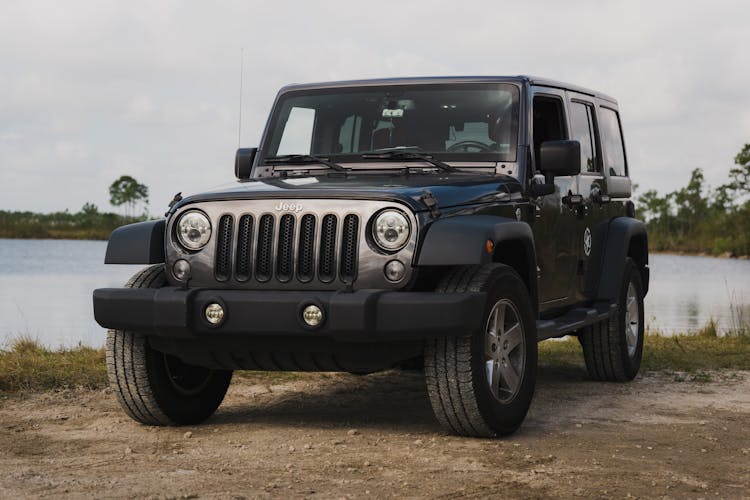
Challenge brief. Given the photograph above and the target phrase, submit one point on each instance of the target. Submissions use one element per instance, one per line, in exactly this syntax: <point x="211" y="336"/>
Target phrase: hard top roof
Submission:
<point x="519" y="79"/>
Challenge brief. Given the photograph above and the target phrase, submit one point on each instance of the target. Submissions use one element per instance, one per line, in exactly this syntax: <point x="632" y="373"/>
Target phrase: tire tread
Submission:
<point x="602" y="345"/>
<point x="126" y="361"/>
<point x="448" y="370"/>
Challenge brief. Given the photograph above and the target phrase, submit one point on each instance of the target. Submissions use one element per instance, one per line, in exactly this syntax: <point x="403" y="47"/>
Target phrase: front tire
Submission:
<point x="613" y="349"/>
<point x="481" y="384"/>
<point x="155" y="388"/>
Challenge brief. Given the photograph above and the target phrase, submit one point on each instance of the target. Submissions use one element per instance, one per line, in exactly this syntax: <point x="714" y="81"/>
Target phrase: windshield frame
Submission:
<point x="357" y="158"/>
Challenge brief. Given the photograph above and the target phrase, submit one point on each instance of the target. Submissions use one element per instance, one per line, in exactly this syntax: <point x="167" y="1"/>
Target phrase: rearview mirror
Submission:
<point x="558" y="158"/>
<point x="243" y="162"/>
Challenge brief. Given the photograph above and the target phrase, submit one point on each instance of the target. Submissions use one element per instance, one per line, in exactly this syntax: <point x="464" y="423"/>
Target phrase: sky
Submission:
<point x="93" y="90"/>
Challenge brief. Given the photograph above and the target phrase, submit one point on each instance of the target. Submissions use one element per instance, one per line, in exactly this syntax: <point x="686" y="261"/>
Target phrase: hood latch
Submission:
<point x="431" y="202"/>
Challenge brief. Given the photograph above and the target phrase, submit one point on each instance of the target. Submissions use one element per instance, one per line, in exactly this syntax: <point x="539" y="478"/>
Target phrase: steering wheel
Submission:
<point x="465" y="146"/>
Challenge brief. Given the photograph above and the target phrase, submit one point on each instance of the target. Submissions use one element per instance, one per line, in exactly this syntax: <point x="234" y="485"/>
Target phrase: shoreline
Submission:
<point x="74" y="237"/>
<point x="28" y="366"/>
<point x="680" y="253"/>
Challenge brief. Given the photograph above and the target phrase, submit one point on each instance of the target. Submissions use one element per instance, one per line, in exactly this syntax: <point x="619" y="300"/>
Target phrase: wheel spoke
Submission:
<point x="632" y="306"/>
<point x="509" y="375"/>
<point x="513" y="336"/>
<point x="493" y="376"/>
<point x="499" y="319"/>
<point x="632" y="334"/>
<point x="490" y="340"/>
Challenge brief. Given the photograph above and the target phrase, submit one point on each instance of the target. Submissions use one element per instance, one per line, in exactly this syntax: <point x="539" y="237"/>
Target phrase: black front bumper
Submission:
<point x="363" y="315"/>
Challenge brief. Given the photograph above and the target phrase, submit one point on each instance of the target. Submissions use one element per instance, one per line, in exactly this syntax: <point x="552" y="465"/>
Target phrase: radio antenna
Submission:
<point x="239" y="124"/>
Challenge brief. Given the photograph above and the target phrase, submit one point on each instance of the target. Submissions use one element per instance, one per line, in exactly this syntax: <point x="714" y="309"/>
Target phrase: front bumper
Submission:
<point x="362" y="315"/>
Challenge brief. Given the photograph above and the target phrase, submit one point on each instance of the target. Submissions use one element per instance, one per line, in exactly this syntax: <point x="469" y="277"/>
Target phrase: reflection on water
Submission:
<point x="45" y="291"/>
<point x="687" y="292"/>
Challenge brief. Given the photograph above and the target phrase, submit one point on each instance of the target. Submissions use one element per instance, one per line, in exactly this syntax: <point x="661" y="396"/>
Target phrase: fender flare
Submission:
<point x="621" y="232"/>
<point x="139" y="243"/>
<point x="461" y="240"/>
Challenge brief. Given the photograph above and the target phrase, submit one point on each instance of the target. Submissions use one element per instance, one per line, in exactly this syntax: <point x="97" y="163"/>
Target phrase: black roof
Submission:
<point x="519" y="79"/>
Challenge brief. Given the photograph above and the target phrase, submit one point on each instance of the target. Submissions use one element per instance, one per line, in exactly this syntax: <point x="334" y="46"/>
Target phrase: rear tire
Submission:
<point x="613" y="349"/>
<point x="481" y="384"/>
<point x="155" y="388"/>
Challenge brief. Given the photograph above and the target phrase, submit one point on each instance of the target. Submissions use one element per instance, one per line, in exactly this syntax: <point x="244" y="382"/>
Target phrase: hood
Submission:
<point x="449" y="190"/>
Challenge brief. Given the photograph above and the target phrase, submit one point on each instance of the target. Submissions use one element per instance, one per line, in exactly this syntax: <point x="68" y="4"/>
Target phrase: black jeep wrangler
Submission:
<point x="454" y="222"/>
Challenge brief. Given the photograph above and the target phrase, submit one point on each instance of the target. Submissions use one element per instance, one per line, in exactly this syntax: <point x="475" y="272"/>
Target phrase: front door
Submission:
<point x="554" y="224"/>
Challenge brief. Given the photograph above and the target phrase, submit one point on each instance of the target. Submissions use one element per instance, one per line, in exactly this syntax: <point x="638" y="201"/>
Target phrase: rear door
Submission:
<point x="592" y="214"/>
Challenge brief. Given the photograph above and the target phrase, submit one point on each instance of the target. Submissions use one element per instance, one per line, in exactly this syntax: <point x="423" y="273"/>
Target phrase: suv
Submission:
<point x="453" y="222"/>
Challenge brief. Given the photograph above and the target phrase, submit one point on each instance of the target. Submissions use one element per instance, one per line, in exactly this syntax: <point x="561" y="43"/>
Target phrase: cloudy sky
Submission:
<point x="93" y="90"/>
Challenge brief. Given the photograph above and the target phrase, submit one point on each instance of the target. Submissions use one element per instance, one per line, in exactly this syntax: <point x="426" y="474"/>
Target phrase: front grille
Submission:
<point x="285" y="254"/>
<point x="263" y="266"/>
<point x="306" y="253"/>
<point x="224" y="248"/>
<point x="244" y="263"/>
<point x="288" y="247"/>
<point x="327" y="265"/>
<point x="349" y="249"/>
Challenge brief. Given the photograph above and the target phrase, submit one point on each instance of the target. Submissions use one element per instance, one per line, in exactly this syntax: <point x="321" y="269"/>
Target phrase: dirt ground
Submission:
<point x="348" y="436"/>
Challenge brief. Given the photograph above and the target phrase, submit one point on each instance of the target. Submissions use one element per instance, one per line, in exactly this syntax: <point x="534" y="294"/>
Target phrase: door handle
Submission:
<point x="572" y="200"/>
<point x="600" y="197"/>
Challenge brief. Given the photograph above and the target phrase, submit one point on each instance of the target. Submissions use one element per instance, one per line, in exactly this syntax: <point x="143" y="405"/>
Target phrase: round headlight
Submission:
<point x="391" y="230"/>
<point x="193" y="230"/>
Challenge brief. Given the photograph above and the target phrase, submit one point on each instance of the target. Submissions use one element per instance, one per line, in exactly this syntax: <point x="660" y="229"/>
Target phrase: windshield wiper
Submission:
<point x="303" y="159"/>
<point x="408" y="156"/>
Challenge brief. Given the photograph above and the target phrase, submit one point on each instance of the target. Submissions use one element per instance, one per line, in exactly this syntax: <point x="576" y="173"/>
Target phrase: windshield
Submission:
<point x="457" y="122"/>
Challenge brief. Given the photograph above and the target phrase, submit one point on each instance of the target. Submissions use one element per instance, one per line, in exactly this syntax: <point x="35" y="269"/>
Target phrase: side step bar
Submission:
<point x="573" y="320"/>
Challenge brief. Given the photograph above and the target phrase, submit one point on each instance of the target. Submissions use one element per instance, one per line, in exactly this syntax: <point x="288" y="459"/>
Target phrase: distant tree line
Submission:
<point x="700" y="219"/>
<point x="87" y="224"/>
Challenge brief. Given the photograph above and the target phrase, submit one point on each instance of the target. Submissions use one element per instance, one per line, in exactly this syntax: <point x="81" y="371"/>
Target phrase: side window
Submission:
<point x="611" y="134"/>
<point x="582" y="125"/>
<point x="298" y="132"/>
<point x="549" y="121"/>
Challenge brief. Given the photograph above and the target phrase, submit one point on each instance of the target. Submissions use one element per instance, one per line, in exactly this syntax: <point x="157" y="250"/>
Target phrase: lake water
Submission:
<point x="45" y="291"/>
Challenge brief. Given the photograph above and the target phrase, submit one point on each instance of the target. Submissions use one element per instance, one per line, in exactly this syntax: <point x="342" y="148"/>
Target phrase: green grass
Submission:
<point x="28" y="366"/>
<point x="679" y="353"/>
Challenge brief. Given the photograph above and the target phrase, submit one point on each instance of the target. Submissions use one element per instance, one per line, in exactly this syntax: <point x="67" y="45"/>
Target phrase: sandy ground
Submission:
<point x="349" y="436"/>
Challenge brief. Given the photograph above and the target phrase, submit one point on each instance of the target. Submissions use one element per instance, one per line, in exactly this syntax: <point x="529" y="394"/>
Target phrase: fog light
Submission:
<point x="181" y="270"/>
<point x="312" y="315"/>
<point x="214" y="313"/>
<point x="395" y="270"/>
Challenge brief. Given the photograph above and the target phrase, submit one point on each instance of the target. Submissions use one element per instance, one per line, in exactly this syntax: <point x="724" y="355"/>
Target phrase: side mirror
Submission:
<point x="558" y="158"/>
<point x="243" y="162"/>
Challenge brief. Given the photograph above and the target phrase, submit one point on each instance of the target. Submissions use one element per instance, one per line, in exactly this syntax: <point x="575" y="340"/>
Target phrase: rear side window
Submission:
<point x="614" y="150"/>
<point x="582" y="130"/>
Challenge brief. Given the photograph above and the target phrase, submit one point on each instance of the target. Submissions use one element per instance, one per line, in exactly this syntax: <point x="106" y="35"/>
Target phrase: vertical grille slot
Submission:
<point x="285" y="252"/>
<point x="327" y="262"/>
<point x="306" y="250"/>
<point x="223" y="266"/>
<point x="244" y="266"/>
<point x="263" y="264"/>
<point x="349" y="239"/>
